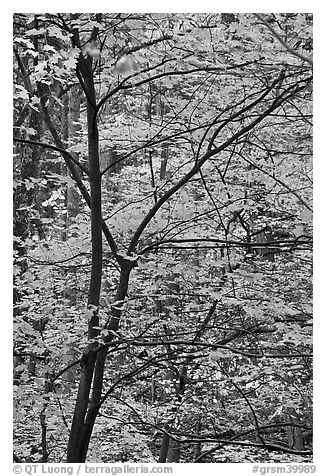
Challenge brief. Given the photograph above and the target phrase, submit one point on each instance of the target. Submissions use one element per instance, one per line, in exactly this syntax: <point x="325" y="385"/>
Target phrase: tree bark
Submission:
<point x="77" y="448"/>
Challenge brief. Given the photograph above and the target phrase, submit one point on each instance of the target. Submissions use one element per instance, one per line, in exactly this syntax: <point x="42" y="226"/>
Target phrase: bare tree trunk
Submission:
<point x="64" y="136"/>
<point x="164" y="448"/>
<point x="72" y="197"/>
<point x="198" y="445"/>
<point x="93" y="362"/>
<point x="174" y="452"/>
<point x="294" y="432"/>
<point x="77" y="447"/>
<point x="113" y="325"/>
<point x="164" y="161"/>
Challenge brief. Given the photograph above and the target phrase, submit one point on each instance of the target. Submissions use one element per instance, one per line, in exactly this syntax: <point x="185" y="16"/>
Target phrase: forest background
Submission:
<point x="317" y="241"/>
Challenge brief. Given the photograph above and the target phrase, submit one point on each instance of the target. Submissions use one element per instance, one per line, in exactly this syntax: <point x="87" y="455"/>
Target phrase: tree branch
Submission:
<point x="283" y="43"/>
<point x="292" y="90"/>
<point x="55" y="148"/>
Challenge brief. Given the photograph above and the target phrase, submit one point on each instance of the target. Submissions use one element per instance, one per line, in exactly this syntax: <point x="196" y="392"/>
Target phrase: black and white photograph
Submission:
<point x="162" y="238"/>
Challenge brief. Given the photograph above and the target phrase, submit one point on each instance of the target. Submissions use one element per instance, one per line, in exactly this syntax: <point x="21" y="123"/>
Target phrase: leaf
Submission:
<point x="21" y="92"/>
<point x="36" y="32"/>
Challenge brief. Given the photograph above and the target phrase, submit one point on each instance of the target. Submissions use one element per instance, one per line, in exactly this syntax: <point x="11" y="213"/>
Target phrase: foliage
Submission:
<point x="186" y="140"/>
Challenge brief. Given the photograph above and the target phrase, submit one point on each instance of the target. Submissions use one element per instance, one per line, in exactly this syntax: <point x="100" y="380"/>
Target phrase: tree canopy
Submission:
<point x="162" y="237"/>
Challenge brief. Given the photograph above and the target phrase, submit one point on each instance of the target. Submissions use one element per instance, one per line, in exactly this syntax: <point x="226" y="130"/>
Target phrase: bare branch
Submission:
<point x="283" y="43"/>
<point x="55" y="148"/>
<point x="291" y="91"/>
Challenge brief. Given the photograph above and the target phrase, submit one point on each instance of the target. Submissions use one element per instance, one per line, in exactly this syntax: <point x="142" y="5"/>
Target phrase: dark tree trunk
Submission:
<point x="91" y="412"/>
<point x="92" y="368"/>
<point x="164" y="448"/>
<point x="76" y="446"/>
